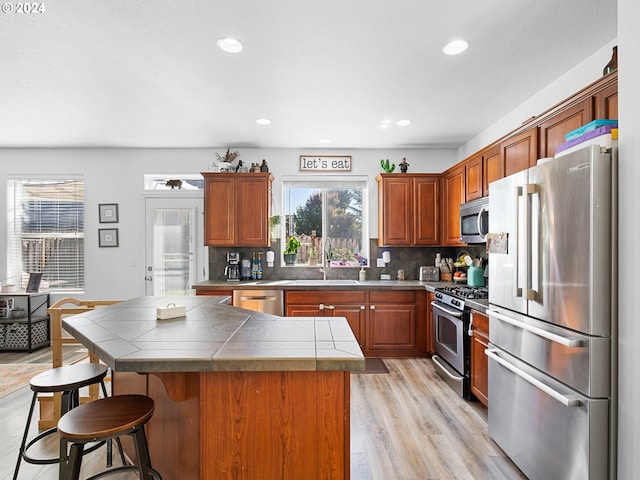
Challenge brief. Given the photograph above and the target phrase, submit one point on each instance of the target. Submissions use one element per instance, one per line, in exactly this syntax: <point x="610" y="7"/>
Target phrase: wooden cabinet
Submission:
<point x="453" y="195"/>
<point x="408" y="209"/>
<point x="237" y="208"/>
<point x="479" y="361"/>
<point x="606" y="103"/>
<point x="329" y="303"/>
<point x="520" y="151"/>
<point x="493" y="168"/>
<point x="389" y="323"/>
<point x="554" y="130"/>
<point x="392" y="320"/>
<point x="473" y="178"/>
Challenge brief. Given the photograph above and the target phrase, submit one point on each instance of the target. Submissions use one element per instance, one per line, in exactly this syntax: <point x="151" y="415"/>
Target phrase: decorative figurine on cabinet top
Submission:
<point x="264" y="167"/>
<point x="404" y="165"/>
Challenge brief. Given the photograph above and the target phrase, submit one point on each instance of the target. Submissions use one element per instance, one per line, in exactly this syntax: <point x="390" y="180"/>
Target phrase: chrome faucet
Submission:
<point x="327" y="259"/>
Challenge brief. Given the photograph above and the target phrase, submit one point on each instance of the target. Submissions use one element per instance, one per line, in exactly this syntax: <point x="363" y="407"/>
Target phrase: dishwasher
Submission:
<point x="266" y="301"/>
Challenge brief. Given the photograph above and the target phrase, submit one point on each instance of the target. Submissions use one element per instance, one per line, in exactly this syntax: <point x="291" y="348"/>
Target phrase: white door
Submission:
<point x="175" y="256"/>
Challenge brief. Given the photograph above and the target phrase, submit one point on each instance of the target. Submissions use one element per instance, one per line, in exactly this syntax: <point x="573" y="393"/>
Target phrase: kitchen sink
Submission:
<point x="268" y="282"/>
<point x="305" y="283"/>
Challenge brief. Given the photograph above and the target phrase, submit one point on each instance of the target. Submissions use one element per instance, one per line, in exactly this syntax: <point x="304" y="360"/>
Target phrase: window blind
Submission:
<point x="45" y="228"/>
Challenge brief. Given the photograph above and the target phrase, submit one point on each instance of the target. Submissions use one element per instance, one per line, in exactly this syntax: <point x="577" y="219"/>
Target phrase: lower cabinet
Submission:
<point x="327" y="303"/>
<point x="479" y="361"/>
<point x="385" y="323"/>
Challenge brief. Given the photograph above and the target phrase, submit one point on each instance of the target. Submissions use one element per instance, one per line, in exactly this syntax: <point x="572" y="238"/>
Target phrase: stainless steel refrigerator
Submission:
<point x="552" y="316"/>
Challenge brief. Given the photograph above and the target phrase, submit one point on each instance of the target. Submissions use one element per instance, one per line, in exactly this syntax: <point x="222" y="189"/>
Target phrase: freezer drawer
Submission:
<point x="565" y="437"/>
<point x="580" y="361"/>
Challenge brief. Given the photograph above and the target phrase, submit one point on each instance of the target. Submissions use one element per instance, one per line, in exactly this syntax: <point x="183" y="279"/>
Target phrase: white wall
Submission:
<point x="629" y="230"/>
<point x="116" y="176"/>
<point x="575" y="79"/>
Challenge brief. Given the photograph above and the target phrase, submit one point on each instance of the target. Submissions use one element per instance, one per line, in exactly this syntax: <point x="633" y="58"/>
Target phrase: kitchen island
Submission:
<point x="239" y="394"/>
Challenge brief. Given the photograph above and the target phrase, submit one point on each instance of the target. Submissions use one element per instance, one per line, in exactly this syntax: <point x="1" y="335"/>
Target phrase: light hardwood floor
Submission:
<point x="405" y="425"/>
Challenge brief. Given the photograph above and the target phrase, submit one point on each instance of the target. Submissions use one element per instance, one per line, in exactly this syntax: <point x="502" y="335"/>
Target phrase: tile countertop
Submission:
<point x="212" y="336"/>
<point x="211" y="285"/>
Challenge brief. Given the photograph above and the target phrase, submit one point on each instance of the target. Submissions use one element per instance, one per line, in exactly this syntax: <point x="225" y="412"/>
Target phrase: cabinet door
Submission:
<point x="392" y="327"/>
<point x="392" y="320"/>
<point x="553" y="131"/>
<point x="395" y="210"/>
<point x="520" y="151"/>
<point x="426" y="231"/>
<point x="253" y="204"/>
<point x="219" y="208"/>
<point x="493" y="168"/>
<point x="355" y="315"/>
<point x="479" y="361"/>
<point x="453" y="197"/>
<point x="473" y="178"/>
<point x="607" y="103"/>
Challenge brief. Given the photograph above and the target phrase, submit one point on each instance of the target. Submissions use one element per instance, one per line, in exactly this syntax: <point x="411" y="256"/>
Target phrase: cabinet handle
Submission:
<point x="331" y="307"/>
<point x="321" y="306"/>
<point x="372" y="307"/>
<point x="362" y="307"/>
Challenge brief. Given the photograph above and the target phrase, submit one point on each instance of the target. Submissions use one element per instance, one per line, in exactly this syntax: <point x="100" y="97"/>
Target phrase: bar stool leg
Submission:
<point x="142" y="452"/>
<point x="26" y="434"/>
<point x="74" y="462"/>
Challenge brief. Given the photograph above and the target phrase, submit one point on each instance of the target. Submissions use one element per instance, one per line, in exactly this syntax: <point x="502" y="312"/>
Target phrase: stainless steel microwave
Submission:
<point x="474" y="220"/>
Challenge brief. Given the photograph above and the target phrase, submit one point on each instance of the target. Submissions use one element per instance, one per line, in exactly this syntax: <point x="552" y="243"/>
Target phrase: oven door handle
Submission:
<point x="445" y="370"/>
<point x="566" y="341"/>
<point x="492" y="353"/>
<point x="454" y="313"/>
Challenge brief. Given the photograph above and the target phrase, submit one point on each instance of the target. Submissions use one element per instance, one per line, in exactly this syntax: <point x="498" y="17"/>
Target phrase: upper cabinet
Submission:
<point x="453" y="195"/>
<point x="520" y="151"/>
<point x="493" y="168"/>
<point x="407" y="209"/>
<point x="553" y="130"/>
<point x="237" y="207"/>
<point x="474" y="168"/>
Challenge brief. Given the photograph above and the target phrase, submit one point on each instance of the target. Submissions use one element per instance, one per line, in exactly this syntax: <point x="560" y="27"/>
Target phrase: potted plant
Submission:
<point x="291" y="251"/>
<point x="313" y="256"/>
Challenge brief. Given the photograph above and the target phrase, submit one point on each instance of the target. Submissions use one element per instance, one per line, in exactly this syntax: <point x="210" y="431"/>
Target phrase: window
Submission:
<point x="45" y="232"/>
<point x="328" y="215"/>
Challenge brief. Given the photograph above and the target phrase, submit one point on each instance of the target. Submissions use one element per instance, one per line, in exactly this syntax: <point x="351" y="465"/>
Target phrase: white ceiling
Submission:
<point x="147" y="73"/>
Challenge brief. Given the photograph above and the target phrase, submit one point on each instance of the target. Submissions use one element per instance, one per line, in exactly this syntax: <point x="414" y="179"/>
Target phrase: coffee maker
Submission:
<point x="232" y="269"/>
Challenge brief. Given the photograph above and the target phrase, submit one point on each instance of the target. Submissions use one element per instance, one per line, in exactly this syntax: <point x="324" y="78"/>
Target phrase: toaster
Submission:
<point x="428" y="274"/>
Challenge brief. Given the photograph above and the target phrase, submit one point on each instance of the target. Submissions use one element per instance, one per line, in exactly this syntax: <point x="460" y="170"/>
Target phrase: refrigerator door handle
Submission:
<point x="516" y="271"/>
<point x="533" y="247"/>
<point x="492" y="353"/>
<point x="566" y="341"/>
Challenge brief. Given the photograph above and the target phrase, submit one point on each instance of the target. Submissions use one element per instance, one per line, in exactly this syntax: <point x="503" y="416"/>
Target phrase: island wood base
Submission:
<point x="246" y="425"/>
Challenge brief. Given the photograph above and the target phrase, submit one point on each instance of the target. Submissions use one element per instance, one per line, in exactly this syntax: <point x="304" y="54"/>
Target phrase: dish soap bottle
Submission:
<point x="362" y="275"/>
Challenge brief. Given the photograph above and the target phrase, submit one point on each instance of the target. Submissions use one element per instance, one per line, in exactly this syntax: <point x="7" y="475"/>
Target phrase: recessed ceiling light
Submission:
<point x="230" y="45"/>
<point x="403" y="123"/>
<point x="455" y="47"/>
<point x="325" y="140"/>
<point x="263" y="121"/>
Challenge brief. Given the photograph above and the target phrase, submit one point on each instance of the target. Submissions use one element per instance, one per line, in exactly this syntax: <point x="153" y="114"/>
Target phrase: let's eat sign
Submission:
<point x="325" y="163"/>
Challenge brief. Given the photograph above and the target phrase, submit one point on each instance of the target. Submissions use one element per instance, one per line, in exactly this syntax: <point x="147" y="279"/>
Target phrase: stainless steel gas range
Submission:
<point x="451" y="318"/>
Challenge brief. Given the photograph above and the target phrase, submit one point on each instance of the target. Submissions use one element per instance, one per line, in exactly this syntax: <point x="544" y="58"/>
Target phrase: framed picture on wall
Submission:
<point x="108" y="212"/>
<point x="107" y="237"/>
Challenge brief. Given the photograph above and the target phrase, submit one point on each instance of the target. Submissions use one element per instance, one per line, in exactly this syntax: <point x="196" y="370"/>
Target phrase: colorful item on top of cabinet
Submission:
<point x="388" y="168"/>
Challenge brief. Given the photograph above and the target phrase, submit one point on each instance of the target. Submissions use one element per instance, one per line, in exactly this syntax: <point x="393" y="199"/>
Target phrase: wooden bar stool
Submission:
<point x="104" y="419"/>
<point x="67" y="380"/>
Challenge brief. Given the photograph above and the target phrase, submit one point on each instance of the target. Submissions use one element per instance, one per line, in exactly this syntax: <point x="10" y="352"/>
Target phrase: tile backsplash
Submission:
<point x="402" y="258"/>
